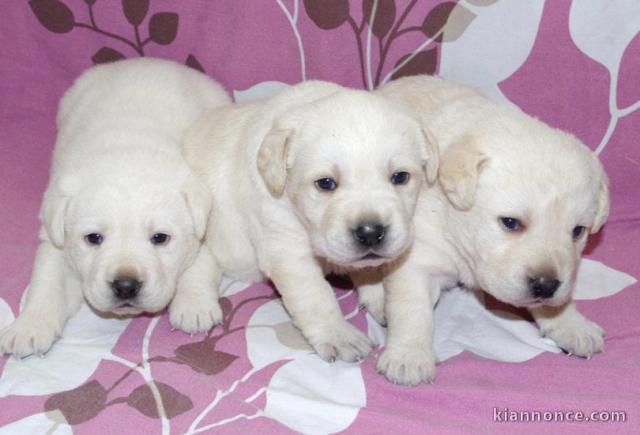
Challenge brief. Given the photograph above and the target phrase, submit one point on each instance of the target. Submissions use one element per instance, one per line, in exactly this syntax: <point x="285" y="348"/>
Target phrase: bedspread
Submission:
<point x="574" y="65"/>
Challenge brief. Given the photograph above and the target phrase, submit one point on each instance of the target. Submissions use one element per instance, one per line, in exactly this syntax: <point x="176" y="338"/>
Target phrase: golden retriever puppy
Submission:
<point x="515" y="202"/>
<point x="318" y="178"/>
<point x="123" y="215"/>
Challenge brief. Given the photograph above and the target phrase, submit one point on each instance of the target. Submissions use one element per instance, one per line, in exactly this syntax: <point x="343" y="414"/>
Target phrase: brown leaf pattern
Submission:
<point x="327" y="14"/>
<point x="436" y="19"/>
<point x="174" y="402"/>
<point x="384" y="18"/>
<point x="424" y="62"/>
<point x="106" y="55"/>
<point x="54" y="15"/>
<point x="225" y="305"/>
<point x="80" y="404"/>
<point x="135" y="10"/>
<point x="57" y="17"/>
<point x="203" y="358"/>
<point x="192" y="62"/>
<point x="163" y="27"/>
<point x="445" y="22"/>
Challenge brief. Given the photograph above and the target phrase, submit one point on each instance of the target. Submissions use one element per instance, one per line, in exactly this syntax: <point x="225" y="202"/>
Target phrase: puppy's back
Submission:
<point x="136" y="94"/>
<point x="427" y="94"/>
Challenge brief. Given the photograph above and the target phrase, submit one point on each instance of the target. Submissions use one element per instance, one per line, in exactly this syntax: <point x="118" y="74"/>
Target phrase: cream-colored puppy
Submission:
<point x="515" y="202"/>
<point x="319" y="178"/>
<point x="123" y="215"/>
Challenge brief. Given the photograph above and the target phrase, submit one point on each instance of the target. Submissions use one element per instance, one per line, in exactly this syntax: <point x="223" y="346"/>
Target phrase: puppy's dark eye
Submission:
<point x="400" y="177"/>
<point x="326" y="184"/>
<point x="511" y="224"/>
<point x="94" y="239"/>
<point x="578" y="232"/>
<point x="160" y="239"/>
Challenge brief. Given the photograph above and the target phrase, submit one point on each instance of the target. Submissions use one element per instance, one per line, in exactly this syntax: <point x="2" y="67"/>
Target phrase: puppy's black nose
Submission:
<point x="125" y="287"/>
<point x="369" y="234"/>
<point x="543" y="286"/>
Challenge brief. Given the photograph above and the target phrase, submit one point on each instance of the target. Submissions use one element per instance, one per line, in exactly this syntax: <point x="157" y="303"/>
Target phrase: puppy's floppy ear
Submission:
<point x="602" y="212"/>
<point x="460" y="166"/>
<point x="52" y="215"/>
<point x="432" y="155"/>
<point x="272" y="159"/>
<point x="199" y="201"/>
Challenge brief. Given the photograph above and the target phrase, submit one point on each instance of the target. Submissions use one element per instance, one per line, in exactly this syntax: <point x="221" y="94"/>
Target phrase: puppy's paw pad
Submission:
<point x="581" y="337"/>
<point x="407" y="366"/>
<point x="193" y="316"/>
<point x="28" y="336"/>
<point x="343" y="341"/>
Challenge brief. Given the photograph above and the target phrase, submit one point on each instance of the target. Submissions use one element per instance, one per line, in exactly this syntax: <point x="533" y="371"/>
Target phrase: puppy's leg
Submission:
<point x="569" y="329"/>
<point x="313" y="307"/>
<point x="371" y="293"/>
<point x="409" y="357"/>
<point x="195" y="306"/>
<point x="49" y="303"/>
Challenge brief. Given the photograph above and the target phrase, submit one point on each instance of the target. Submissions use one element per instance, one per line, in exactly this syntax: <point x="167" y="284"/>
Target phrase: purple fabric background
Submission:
<point x="243" y="43"/>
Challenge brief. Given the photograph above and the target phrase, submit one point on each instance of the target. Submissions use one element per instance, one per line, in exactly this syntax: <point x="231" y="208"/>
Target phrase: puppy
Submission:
<point x="515" y="202"/>
<point x="317" y="179"/>
<point x="123" y="215"/>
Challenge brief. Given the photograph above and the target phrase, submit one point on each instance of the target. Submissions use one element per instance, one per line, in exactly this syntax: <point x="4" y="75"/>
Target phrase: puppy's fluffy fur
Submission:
<point x="118" y="173"/>
<point x="272" y="218"/>
<point x="496" y="163"/>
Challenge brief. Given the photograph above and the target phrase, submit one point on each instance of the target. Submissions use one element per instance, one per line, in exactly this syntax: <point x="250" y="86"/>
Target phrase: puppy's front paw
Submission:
<point x="28" y="335"/>
<point x="580" y="337"/>
<point x="407" y="365"/>
<point x="193" y="313"/>
<point x="341" y="340"/>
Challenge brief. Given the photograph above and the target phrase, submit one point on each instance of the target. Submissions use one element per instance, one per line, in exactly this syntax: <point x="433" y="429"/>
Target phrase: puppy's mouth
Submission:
<point x="126" y="309"/>
<point x="538" y="302"/>
<point x="370" y="259"/>
<point x="529" y="303"/>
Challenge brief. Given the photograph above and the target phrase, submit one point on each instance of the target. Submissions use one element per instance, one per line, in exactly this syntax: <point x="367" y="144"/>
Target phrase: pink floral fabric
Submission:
<point x="574" y="64"/>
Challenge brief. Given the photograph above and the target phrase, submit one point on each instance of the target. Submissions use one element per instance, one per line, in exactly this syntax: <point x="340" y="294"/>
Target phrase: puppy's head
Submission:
<point x="128" y="241"/>
<point x="351" y="165"/>
<point x="525" y="198"/>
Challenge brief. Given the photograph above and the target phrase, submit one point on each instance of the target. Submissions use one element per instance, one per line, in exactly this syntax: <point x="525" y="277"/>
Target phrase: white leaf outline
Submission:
<point x="86" y="340"/>
<point x="372" y="17"/>
<point x="606" y="48"/>
<point x="263" y="348"/>
<point x="144" y="369"/>
<point x="221" y="394"/>
<point x="293" y="21"/>
<point x="494" y="45"/>
<point x="310" y="395"/>
<point x="34" y="424"/>
<point x="66" y="365"/>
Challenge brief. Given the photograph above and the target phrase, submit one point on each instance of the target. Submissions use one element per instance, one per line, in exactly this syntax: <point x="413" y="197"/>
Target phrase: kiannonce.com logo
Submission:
<point x="506" y="415"/>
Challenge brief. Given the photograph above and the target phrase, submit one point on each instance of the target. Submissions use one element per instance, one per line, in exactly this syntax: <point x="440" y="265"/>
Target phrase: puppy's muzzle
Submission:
<point x="126" y="287"/>
<point x="369" y="234"/>
<point x="543" y="286"/>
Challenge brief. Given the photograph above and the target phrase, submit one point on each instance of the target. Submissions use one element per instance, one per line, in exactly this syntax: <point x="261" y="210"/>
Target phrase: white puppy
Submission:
<point x="123" y="216"/>
<point x="319" y="178"/>
<point x="515" y="202"/>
